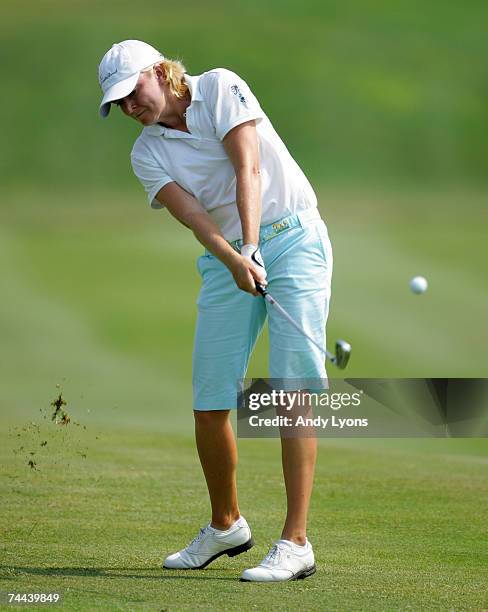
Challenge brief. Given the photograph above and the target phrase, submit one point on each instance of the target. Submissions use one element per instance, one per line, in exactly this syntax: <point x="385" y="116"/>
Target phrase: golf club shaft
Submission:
<point x="270" y="299"/>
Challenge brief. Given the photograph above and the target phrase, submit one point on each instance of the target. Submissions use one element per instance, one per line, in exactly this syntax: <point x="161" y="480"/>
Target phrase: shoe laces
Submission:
<point x="196" y="540"/>
<point x="274" y="556"/>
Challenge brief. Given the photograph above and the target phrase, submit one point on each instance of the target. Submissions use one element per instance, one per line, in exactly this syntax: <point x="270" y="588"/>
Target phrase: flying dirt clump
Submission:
<point x="59" y="416"/>
<point x="43" y="444"/>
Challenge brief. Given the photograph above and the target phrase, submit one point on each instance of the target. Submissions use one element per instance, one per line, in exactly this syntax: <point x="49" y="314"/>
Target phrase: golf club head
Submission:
<point x="342" y="353"/>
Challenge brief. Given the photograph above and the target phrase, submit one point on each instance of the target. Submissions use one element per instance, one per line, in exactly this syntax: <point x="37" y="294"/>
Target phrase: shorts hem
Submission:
<point x="216" y="402"/>
<point x="212" y="408"/>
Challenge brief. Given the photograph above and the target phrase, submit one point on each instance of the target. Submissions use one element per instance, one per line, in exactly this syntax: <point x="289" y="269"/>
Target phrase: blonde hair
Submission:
<point x="174" y="73"/>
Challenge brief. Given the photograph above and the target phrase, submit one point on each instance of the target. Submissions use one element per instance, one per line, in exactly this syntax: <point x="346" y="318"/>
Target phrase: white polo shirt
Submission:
<point x="197" y="161"/>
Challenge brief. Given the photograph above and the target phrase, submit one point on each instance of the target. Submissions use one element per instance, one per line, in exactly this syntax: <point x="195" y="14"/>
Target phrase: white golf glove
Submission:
<point x="252" y="252"/>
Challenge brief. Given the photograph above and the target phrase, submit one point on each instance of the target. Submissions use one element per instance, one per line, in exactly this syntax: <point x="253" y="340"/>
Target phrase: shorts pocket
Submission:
<point x="324" y="242"/>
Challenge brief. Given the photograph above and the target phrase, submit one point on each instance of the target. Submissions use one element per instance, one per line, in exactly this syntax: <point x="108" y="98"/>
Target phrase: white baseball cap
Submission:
<point x="120" y="68"/>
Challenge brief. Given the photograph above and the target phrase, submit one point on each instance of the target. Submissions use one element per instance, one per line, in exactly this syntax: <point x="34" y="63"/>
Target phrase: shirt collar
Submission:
<point x="193" y="83"/>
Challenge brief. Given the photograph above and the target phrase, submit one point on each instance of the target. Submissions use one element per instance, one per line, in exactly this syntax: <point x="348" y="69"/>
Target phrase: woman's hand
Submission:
<point x="245" y="273"/>
<point x="252" y="252"/>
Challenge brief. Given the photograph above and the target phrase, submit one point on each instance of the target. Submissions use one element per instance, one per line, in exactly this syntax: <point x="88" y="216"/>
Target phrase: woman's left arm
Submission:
<point x="241" y="145"/>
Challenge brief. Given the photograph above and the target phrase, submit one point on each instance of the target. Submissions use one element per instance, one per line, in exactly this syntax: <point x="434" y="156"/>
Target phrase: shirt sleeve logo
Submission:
<point x="237" y="92"/>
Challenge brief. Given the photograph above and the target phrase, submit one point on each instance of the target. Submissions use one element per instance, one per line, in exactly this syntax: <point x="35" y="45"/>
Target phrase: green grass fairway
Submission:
<point x="395" y="526"/>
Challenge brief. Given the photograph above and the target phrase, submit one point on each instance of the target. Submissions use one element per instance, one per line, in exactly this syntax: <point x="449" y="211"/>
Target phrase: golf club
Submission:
<point x="342" y="348"/>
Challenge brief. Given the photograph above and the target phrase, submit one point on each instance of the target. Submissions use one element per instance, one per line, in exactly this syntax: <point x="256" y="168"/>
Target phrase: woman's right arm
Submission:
<point x="188" y="211"/>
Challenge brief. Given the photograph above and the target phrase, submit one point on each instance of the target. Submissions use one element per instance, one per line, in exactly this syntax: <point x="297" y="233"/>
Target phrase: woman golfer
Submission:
<point x="209" y="154"/>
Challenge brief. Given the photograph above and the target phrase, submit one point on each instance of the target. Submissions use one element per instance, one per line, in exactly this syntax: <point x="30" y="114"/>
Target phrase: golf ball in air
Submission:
<point x="418" y="284"/>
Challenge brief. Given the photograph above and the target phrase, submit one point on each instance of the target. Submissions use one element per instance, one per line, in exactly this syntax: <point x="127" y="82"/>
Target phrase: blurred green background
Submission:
<point x="382" y="104"/>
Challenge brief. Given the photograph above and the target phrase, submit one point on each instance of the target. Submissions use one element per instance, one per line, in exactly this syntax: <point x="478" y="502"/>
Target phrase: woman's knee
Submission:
<point x="211" y="418"/>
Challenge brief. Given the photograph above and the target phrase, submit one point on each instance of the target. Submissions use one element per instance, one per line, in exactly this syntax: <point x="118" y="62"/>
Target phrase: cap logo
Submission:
<point x="107" y="76"/>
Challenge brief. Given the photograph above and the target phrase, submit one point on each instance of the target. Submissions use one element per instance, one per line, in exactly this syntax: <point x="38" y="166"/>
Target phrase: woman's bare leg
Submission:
<point x="298" y="458"/>
<point x="217" y="450"/>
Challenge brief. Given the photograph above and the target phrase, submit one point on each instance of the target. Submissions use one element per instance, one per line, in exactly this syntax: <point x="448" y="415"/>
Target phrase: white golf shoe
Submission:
<point x="285" y="561"/>
<point x="210" y="544"/>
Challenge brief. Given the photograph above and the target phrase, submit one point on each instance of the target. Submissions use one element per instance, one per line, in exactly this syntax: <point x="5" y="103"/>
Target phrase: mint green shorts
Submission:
<point x="298" y="257"/>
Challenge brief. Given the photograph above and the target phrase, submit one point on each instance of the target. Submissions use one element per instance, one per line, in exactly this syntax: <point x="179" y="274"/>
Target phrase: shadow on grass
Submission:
<point x="13" y="572"/>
